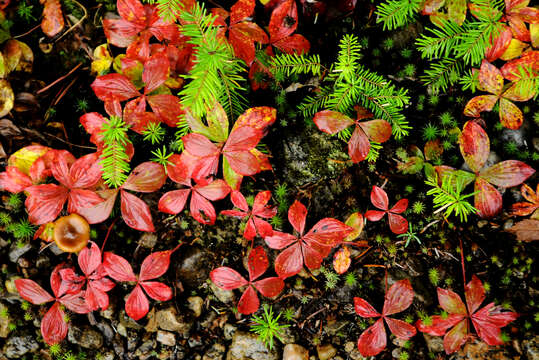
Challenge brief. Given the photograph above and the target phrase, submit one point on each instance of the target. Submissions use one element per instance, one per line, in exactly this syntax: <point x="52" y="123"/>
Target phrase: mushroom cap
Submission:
<point x="71" y="233"/>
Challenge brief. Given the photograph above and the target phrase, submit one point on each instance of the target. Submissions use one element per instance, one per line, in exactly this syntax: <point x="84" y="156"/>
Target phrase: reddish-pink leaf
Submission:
<point x="400" y="206"/>
<point x="257" y="264"/>
<point x="475" y="294"/>
<point x="270" y="287"/>
<point x="373" y="340"/>
<point x="79" y="199"/>
<point x="489" y="320"/>
<point x="439" y="324"/>
<point x="101" y="211"/>
<point x="400" y="329"/>
<point x="119" y="32"/>
<point x="167" y="108"/>
<point x="114" y="87"/>
<point x="137" y="305"/>
<point x="136" y="212"/>
<point x="377" y="130"/>
<point x="242" y="36"/>
<point x="30" y="291"/>
<point x="242" y="138"/>
<point x="238" y="200"/>
<point x="279" y="240"/>
<point x="328" y="232"/>
<point x="227" y="278"/>
<point x="342" y="260"/>
<point x="397" y="223"/>
<point x="216" y="190"/>
<point x="241" y="10"/>
<point x="510" y="115"/>
<point x="75" y="303"/>
<point x="456" y="337"/>
<point x="398" y="298"/>
<point x="499" y="44"/>
<point x="358" y="145"/>
<point x="451" y="302"/>
<point x="157" y="290"/>
<point x="332" y="122"/>
<point x="85" y="172"/>
<point x="314" y="254"/>
<point x="490" y="78"/>
<point x="478" y="104"/>
<point x="262" y="227"/>
<point x="507" y="173"/>
<point x="293" y="44"/>
<point x="89" y="259"/>
<point x="379" y="198"/>
<point x="146" y="177"/>
<point x="243" y="162"/>
<point x="53" y="19"/>
<point x="474" y="145"/>
<point x="297" y="214"/>
<point x="249" y="302"/>
<point x="289" y="262"/>
<point x="487" y="200"/>
<point x="131" y="10"/>
<point x="260" y="207"/>
<point x="374" y="215"/>
<point x="199" y="145"/>
<point x="284" y="20"/>
<point x="117" y="267"/>
<point x="364" y="309"/>
<point x="44" y="202"/>
<point x="201" y="209"/>
<point x="259" y="118"/>
<point x="155" y="72"/>
<point x="173" y="201"/>
<point x="14" y="180"/>
<point x="53" y="326"/>
<point x="155" y="265"/>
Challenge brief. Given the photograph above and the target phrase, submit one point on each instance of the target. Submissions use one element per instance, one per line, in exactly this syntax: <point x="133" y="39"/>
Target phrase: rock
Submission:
<point x="86" y="337"/>
<point x="166" y="338"/>
<point x="326" y="352"/>
<point x="106" y="330"/>
<point x="229" y="330"/>
<point x="15" y="252"/>
<point x="216" y="352"/>
<point x="194" y="266"/>
<point x="195" y="341"/>
<point x="516" y="136"/>
<point x="18" y="346"/>
<point x="535" y="141"/>
<point x="531" y="348"/>
<point x="351" y="349"/>
<point x="4" y="321"/>
<point x="195" y="305"/>
<point x="224" y="296"/>
<point x="145" y="350"/>
<point x="478" y="350"/>
<point x="246" y="346"/>
<point x="168" y="319"/>
<point x="126" y="321"/>
<point x="434" y="343"/>
<point x="148" y="240"/>
<point x="295" y="352"/>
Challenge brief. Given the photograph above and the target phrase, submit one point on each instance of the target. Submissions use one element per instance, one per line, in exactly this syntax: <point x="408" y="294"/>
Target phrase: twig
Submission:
<point x="75" y="24"/>
<point x="107" y="236"/>
<point x="59" y="79"/>
<point x="28" y="32"/>
<point x="68" y="143"/>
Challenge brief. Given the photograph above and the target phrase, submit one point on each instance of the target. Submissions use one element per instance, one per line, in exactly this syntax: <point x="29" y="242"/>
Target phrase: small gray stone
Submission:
<point x="148" y="240"/>
<point x="126" y="321"/>
<point x="195" y="305"/>
<point x="246" y="346"/>
<point x="531" y="348"/>
<point x="229" y="330"/>
<point x="295" y="352"/>
<point x="216" y="352"/>
<point x="351" y="349"/>
<point x="224" y="296"/>
<point x="145" y="350"/>
<point x="194" y="266"/>
<point x="18" y="346"/>
<point x="168" y="319"/>
<point x="434" y="343"/>
<point x="326" y="352"/>
<point x="15" y="252"/>
<point x="86" y="337"/>
<point x="166" y="338"/>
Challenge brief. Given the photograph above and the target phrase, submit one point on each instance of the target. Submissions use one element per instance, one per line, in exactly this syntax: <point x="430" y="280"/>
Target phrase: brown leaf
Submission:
<point x="6" y="98"/>
<point x="526" y="230"/>
<point x="53" y="19"/>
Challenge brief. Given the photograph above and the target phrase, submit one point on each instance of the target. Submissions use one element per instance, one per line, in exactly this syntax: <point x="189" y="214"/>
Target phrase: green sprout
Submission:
<point x="14" y="201"/>
<point x="447" y="119"/>
<point x="55" y="349"/>
<point x="267" y="327"/>
<point x="388" y="44"/>
<point x="409" y="70"/>
<point x="162" y="157"/>
<point x="434" y="100"/>
<point x="25" y="12"/>
<point x="406" y="53"/>
<point x="289" y="314"/>
<point x="409" y="236"/>
<point x="434" y="276"/>
<point x="22" y="230"/>
<point x="418" y="207"/>
<point x="510" y="147"/>
<point x="5" y="219"/>
<point x="430" y="132"/>
<point x="350" y="279"/>
<point x="82" y="105"/>
<point x="154" y="133"/>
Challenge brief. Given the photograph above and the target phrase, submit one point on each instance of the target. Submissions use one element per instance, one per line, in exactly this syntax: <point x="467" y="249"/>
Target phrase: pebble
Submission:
<point x="229" y="330"/>
<point x="168" y="319"/>
<point x="295" y="352"/>
<point x="86" y="337"/>
<point x="166" y="338"/>
<point x="434" y="343"/>
<point x="148" y="240"/>
<point x="351" y="349"/>
<point x="194" y="266"/>
<point x="18" y="346"/>
<point x="195" y="305"/>
<point x="531" y="348"/>
<point x="326" y="352"/>
<point x="15" y="252"/>
<point x="246" y="346"/>
<point x="224" y="296"/>
<point x="216" y="352"/>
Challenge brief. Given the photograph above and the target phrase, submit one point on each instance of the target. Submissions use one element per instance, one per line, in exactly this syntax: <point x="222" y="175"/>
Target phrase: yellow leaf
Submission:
<point x="102" y="60"/>
<point x="25" y="157"/>
<point x="514" y="50"/>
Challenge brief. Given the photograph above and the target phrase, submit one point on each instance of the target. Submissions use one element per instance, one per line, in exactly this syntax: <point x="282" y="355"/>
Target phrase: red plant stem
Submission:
<point x="386" y="277"/>
<point x="108" y="233"/>
<point x="462" y="261"/>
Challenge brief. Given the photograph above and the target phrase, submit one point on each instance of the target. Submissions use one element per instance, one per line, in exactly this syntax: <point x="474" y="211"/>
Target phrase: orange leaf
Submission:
<point x="53" y="19"/>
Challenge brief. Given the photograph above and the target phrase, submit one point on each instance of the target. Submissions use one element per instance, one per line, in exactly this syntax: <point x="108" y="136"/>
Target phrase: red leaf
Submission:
<point x="118" y="268"/>
<point x="528" y="60"/>
<point x="260" y="207"/>
<point x="364" y="309"/>
<point x="157" y="290"/>
<point x="227" y="278"/>
<point x="53" y="326"/>
<point x="475" y="294"/>
<point x="507" y="173"/>
<point x="89" y="259"/>
<point x="284" y="20"/>
<point x="257" y="263"/>
<point x="474" y="145"/>
<point x="30" y="291"/>
<point x="101" y="211"/>
<point x="75" y="303"/>
<point x="82" y="199"/>
<point x="289" y="262"/>
<point x="439" y="324"/>
<point x="297" y="214"/>
<point x="201" y="209"/>
<point x="14" y="180"/>
<point x="314" y="254"/>
<point x="397" y="224"/>
<point x="249" y="302"/>
<point x="119" y="32"/>
<point x="332" y="122"/>
<point x="270" y="287"/>
<point x="328" y="232"/>
<point x="400" y="329"/>
<point x="490" y="78"/>
<point x="400" y="206"/>
<point x="478" y="104"/>
<point x="373" y="340"/>
<point x="114" y="87"/>
<point x="379" y="198"/>
<point x="44" y="202"/>
<point x="451" y="302"/>
<point x="499" y="45"/>
<point x="216" y="190"/>
<point x="456" y="337"/>
<point x="488" y="321"/>
<point x="398" y="298"/>
<point x="358" y="145"/>
<point x="131" y="10"/>
<point x="135" y="212"/>
<point x="374" y="215"/>
<point x="146" y="177"/>
<point x="155" y="265"/>
<point x="293" y="44"/>
<point x="279" y="240"/>
<point x="377" y="130"/>
<point x="487" y="200"/>
<point x="242" y="36"/>
<point x="239" y="201"/>
<point x="137" y="304"/>
<point x="167" y="108"/>
<point x="241" y="10"/>
<point x="259" y="118"/>
<point x="85" y="172"/>
<point x="53" y="19"/>
<point x="173" y="202"/>
<point x="155" y="72"/>
<point x="510" y="115"/>
<point x="199" y="145"/>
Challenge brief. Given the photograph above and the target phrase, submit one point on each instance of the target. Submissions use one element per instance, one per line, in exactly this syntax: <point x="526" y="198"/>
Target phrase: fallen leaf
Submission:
<point x="526" y="230"/>
<point x="53" y="19"/>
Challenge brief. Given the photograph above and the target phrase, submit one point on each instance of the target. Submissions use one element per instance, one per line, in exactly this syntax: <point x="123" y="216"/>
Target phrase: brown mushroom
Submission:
<point x="71" y="233"/>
